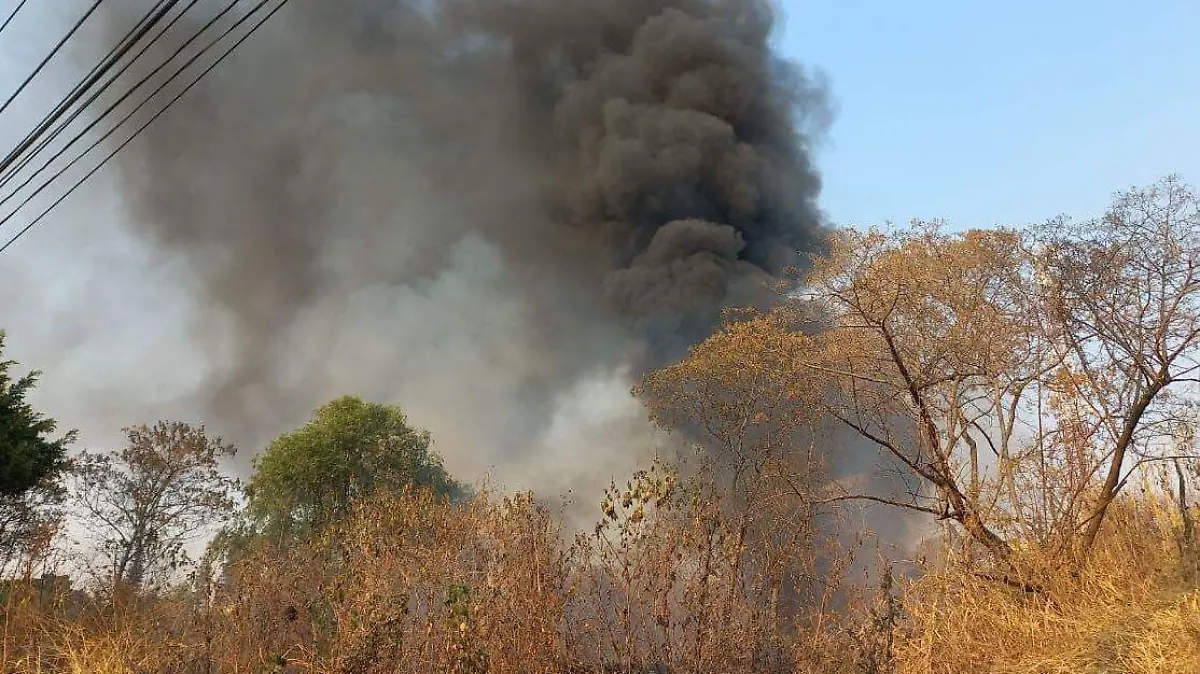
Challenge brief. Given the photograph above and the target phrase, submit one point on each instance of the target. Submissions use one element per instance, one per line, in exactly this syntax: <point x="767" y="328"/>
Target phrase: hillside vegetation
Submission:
<point x="1027" y="399"/>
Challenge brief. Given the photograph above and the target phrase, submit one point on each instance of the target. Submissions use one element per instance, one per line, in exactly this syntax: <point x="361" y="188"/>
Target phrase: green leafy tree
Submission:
<point x="349" y="449"/>
<point x="27" y="454"/>
<point x="31" y="462"/>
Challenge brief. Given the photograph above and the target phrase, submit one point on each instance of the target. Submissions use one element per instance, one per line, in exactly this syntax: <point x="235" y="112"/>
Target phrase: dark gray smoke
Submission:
<point x="494" y="212"/>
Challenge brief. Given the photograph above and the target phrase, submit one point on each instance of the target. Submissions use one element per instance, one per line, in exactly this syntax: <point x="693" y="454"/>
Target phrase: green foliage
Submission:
<point x="349" y="449"/>
<point x="469" y="657"/>
<point x="28" y="457"/>
<point x="30" y="466"/>
<point x="458" y="600"/>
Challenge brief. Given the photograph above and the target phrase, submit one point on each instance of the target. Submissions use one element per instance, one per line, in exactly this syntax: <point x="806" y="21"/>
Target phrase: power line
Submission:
<point x="62" y="127"/>
<point x="131" y="113"/>
<point x="70" y="98"/>
<point x="12" y="15"/>
<point x="150" y="121"/>
<point x="57" y="47"/>
<point x="138" y="31"/>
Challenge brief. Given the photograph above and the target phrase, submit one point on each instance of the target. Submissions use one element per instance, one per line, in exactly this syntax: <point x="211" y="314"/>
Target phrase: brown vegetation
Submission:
<point x="1031" y="392"/>
<point x="410" y="583"/>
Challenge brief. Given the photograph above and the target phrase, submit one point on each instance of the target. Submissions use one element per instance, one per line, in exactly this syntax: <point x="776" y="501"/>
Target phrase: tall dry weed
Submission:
<point x="673" y="580"/>
<point x="1131" y="608"/>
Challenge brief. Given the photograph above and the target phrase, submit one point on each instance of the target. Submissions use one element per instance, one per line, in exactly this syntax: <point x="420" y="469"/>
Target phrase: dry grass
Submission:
<point x="1129" y="610"/>
<point x="411" y="584"/>
<point x="38" y="639"/>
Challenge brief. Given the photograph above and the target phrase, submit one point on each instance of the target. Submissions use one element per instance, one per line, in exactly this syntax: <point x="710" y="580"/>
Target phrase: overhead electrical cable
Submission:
<point x="254" y="28"/>
<point x="131" y="113"/>
<point x="139" y="30"/>
<point x="12" y="15"/>
<point x="73" y="95"/>
<point x="36" y="71"/>
<point x="62" y="127"/>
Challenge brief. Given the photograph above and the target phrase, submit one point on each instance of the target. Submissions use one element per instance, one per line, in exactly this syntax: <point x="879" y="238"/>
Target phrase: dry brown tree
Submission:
<point x="1019" y="377"/>
<point x="762" y="567"/>
<point x="143" y="503"/>
<point x="1124" y="303"/>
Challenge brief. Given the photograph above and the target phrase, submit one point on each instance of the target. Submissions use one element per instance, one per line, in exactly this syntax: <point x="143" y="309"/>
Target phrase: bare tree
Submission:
<point x="933" y="349"/>
<point x="29" y="524"/>
<point x="145" y="502"/>
<point x="1124" y="293"/>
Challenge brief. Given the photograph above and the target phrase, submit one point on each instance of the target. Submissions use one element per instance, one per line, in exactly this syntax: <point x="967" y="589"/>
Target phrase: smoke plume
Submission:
<point x="495" y="213"/>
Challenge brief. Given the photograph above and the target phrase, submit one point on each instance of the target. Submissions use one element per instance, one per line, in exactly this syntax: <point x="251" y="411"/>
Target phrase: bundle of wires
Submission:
<point x="146" y="72"/>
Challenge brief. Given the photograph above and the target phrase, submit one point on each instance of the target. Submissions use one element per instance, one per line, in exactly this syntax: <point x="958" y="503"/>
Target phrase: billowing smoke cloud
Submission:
<point x="493" y="212"/>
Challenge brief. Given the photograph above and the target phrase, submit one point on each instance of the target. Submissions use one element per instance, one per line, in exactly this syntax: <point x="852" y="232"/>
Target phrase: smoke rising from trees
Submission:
<point x="493" y="212"/>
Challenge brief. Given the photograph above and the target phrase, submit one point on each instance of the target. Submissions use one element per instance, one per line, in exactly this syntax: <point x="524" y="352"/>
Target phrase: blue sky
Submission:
<point x="987" y="113"/>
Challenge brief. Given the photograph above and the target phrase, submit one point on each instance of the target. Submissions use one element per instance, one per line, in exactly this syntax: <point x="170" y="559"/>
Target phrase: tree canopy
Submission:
<point x="349" y="449"/>
<point x="28" y="455"/>
<point x="1018" y="379"/>
<point x="31" y="461"/>
<point x="145" y="502"/>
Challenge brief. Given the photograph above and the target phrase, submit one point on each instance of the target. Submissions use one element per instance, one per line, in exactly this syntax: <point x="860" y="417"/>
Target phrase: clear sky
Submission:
<point x="983" y="112"/>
